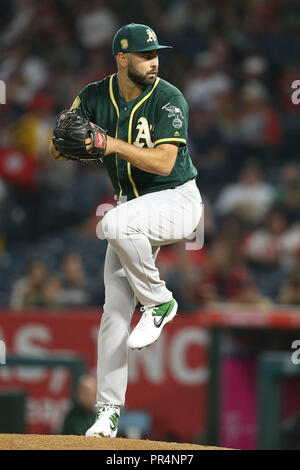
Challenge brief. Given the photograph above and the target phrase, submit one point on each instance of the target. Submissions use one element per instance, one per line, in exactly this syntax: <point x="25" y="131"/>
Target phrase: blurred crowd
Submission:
<point x="235" y="63"/>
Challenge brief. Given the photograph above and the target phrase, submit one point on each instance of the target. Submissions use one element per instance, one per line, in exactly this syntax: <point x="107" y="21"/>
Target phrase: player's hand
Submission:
<point x="109" y="149"/>
<point x="88" y="143"/>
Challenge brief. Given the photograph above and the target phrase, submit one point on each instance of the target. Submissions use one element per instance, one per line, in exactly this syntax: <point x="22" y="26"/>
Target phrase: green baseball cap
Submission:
<point x="136" y="38"/>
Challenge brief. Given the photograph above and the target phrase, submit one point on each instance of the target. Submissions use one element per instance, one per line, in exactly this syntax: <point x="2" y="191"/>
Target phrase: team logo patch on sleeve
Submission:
<point x="76" y="103"/>
<point x="176" y="113"/>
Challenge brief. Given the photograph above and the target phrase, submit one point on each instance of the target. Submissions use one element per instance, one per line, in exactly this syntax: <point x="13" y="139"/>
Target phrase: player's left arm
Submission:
<point x="170" y="132"/>
<point x="159" y="160"/>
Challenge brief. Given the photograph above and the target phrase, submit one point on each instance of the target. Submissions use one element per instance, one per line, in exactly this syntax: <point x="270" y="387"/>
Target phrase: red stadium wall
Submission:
<point x="168" y="379"/>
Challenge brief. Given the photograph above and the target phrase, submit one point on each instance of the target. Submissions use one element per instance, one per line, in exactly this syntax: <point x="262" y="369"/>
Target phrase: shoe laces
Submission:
<point x="146" y="308"/>
<point x="147" y="312"/>
<point x="108" y="407"/>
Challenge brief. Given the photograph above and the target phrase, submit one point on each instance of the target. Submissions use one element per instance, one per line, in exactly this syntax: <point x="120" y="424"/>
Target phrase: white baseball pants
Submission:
<point x="135" y="230"/>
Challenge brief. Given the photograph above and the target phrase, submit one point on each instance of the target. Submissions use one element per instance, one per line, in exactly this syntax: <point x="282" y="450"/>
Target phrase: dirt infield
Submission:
<point x="37" y="442"/>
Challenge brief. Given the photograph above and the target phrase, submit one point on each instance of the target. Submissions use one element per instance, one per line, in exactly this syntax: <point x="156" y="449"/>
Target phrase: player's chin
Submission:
<point x="150" y="79"/>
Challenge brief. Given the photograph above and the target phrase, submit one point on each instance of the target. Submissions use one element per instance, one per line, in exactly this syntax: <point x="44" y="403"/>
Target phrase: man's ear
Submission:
<point x="122" y="59"/>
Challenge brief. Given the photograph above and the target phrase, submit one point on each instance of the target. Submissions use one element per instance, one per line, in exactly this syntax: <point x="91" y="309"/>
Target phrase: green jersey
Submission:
<point x="159" y="115"/>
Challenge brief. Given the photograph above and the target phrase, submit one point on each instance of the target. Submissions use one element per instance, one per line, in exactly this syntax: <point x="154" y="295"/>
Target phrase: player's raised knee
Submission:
<point x="113" y="226"/>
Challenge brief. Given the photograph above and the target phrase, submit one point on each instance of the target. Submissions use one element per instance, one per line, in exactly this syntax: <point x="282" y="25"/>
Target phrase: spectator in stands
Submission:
<point x="26" y="291"/>
<point x="32" y="132"/>
<point x="249" y="293"/>
<point x="180" y="268"/>
<point x="276" y="243"/>
<point x="254" y="68"/>
<point x="50" y="294"/>
<point x="290" y="291"/>
<point x="233" y="234"/>
<point x="249" y="198"/>
<point x="288" y="192"/>
<point x="96" y="24"/>
<point x="74" y="284"/>
<point x="222" y="272"/>
<point x="82" y="413"/>
<point x="19" y="168"/>
<point x="208" y="148"/>
<point x="205" y="133"/>
<point x="259" y="124"/>
<point x="208" y="81"/>
<point x="260" y="17"/>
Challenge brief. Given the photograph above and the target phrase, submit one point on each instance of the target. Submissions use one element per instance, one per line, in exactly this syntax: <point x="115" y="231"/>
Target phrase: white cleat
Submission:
<point x="150" y="326"/>
<point x="106" y="424"/>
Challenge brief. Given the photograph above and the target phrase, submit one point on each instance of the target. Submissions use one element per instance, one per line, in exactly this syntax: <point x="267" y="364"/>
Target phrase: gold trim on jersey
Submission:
<point x="111" y="94"/>
<point x="170" y="139"/>
<point x="130" y="134"/>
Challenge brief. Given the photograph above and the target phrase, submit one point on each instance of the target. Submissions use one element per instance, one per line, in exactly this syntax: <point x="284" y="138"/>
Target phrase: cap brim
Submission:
<point x="165" y="47"/>
<point x="150" y="49"/>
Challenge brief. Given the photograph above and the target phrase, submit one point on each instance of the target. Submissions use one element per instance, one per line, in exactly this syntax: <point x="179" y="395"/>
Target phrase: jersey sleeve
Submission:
<point x="172" y="121"/>
<point x="83" y="104"/>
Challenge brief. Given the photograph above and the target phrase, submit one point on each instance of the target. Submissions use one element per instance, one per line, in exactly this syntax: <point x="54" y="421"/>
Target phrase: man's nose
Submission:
<point x="154" y="62"/>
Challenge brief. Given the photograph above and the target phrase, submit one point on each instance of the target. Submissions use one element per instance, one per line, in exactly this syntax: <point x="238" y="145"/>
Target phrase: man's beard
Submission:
<point x="139" y="79"/>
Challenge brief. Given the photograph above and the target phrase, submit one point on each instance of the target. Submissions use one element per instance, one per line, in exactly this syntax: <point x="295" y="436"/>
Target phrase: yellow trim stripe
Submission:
<point x="111" y="94"/>
<point x="170" y="139"/>
<point x="132" y="180"/>
<point x="130" y="133"/>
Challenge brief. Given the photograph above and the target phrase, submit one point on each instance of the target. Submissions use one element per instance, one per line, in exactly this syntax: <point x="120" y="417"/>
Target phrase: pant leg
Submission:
<point x="154" y="219"/>
<point x="120" y="302"/>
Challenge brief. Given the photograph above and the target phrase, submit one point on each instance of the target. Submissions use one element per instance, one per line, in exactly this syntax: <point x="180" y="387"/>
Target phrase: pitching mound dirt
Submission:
<point x="36" y="442"/>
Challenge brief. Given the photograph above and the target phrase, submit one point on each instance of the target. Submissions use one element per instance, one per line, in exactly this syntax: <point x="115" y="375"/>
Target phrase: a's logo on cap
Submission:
<point x="124" y="43"/>
<point x="151" y="35"/>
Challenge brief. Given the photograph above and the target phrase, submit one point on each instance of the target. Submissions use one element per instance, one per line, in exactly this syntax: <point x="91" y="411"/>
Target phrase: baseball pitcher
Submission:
<point x="136" y="124"/>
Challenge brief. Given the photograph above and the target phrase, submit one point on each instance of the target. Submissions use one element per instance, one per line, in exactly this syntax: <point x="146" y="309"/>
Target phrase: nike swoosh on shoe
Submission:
<point x="158" y="323"/>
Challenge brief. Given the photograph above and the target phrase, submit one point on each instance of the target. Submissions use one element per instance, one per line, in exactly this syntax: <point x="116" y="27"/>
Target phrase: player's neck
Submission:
<point x="128" y="89"/>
